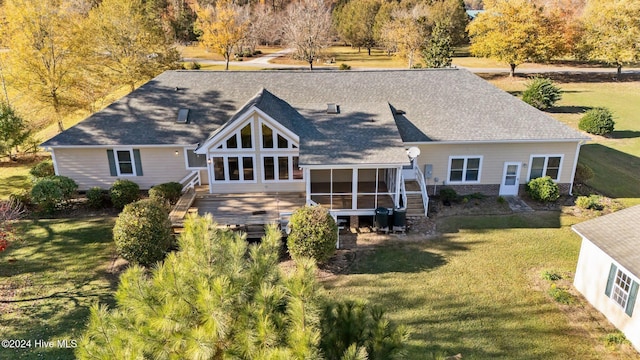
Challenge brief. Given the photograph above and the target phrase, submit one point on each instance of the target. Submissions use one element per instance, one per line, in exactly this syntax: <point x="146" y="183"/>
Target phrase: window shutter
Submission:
<point x="631" y="301"/>
<point x="112" y="163"/>
<point x="136" y="159"/>
<point x="612" y="278"/>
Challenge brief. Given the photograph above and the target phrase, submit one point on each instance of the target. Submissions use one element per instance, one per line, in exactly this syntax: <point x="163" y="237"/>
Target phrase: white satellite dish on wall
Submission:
<point x="413" y="152"/>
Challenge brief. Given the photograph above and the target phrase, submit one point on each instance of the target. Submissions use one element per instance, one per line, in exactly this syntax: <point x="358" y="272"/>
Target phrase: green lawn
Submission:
<point x="49" y="279"/>
<point x="473" y="289"/>
<point x="13" y="178"/>
<point x="615" y="160"/>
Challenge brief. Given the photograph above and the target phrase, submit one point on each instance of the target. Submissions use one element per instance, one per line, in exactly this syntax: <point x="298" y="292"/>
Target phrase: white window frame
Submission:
<point x="545" y="166"/>
<point x="619" y="295"/>
<point x="117" y="161"/>
<point x="186" y="159"/>
<point x="464" y="169"/>
<point x="276" y="168"/>
<point x="225" y="162"/>
<point x="237" y="133"/>
<point x="292" y="144"/>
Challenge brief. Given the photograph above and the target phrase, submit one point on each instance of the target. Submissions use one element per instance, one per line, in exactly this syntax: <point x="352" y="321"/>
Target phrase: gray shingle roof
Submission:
<point x="440" y="105"/>
<point x="617" y="234"/>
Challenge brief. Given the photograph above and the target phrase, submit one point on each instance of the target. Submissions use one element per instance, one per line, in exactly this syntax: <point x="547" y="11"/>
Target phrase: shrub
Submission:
<point x="543" y="189"/>
<point x="616" y="338"/>
<point x="501" y="200"/>
<point x="593" y="202"/>
<point x="124" y="192"/>
<point x="344" y="66"/>
<point x="314" y="234"/>
<point x="23" y="197"/>
<point x="166" y="193"/>
<point x="194" y="65"/>
<point x="142" y="232"/>
<point x="346" y="325"/>
<point x="448" y="195"/>
<point x="541" y="93"/>
<point x="42" y="169"/>
<point x="560" y="295"/>
<point x="96" y="197"/>
<point x="551" y="276"/>
<point x="583" y="173"/>
<point x="598" y="121"/>
<point x="51" y="192"/>
<point x="257" y="52"/>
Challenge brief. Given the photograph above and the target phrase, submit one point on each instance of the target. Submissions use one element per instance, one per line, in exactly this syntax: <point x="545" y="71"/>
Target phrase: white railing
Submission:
<point x="423" y="190"/>
<point x="191" y="180"/>
<point x="403" y="192"/>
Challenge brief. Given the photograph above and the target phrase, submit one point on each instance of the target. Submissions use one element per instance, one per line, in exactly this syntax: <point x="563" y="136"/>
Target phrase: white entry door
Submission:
<point x="510" y="179"/>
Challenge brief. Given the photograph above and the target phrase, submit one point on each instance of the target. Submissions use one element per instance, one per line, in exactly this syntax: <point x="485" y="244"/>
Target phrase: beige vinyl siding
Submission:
<point x="90" y="167"/>
<point x="590" y="279"/>
<point x="493" y="158"/>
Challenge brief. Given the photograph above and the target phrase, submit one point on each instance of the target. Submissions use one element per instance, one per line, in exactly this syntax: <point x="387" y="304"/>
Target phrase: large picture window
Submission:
<point x="281" y="168"/>
<point x="464" y="169"/>
<point x="545" y="165"/>
<point x="195" y="161"/>
<point x="233" y="168"/>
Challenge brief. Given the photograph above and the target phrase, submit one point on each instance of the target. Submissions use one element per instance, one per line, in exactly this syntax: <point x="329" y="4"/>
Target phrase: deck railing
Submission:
<point x="403" y="193"/>
<point x="190" y="181"/>
<point x="423" y="190"/>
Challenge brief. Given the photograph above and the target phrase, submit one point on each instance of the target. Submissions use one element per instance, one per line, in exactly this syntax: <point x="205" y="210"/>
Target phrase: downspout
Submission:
<point x="575" y="166"/>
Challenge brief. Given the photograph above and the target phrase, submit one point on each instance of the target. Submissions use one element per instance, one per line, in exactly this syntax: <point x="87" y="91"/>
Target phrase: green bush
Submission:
<point x="597" y="121"/>
<point x="166" y="193"/>
<point x="593" y="202"/>
<point x="561" y="295"/>
<point x="124" y="192"/>
<point x="583" y="173"/>
<point x="96" y="197"/>
<point x="616" y="338"/>
<point x="314" y="234"/>
<point x="448" y="195"/>
<point x="348" y="326"/>
<point x="194" y="65"/>
<point x="42" y="169"/>
<point x="23" y="197"/>
<point x="344" y="66"/>
<point x="541" y="93"/>
<point x="543" y="189"/>
<point x="551" y="276"/>
<point x="142" y="232"/>
<point x="51" y="192"/>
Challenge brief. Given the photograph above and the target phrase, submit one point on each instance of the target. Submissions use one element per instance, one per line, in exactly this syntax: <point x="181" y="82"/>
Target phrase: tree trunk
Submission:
<point x="310" y="64"/>
<point x="512" y="71"/>
<point x="369" y="51"/>
<point x="56" y="109"/>
<point x="619" y="71"/>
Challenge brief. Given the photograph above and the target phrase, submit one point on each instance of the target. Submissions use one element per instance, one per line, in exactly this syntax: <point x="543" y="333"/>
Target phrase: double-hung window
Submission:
<point x="545" y="165"/>
<point x="464" y="169"/>
<point x="622" y="289"/>
<point x="124" y="162"/>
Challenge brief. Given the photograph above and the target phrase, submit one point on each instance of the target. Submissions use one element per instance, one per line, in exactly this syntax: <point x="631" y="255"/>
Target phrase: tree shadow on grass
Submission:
<point x="616" y="173"/>
<point x="625" y="134"/>
<point x="481" y="223"/>
<point x="568" y="109"/>
<point x="404" y="259"/>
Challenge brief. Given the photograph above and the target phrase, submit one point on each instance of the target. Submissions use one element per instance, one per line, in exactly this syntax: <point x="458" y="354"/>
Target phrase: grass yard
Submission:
<point x="473" y="290"/>
<point x="13" y="178"/>
<point x="49" y="279"/>
<point x="615" y="160"/>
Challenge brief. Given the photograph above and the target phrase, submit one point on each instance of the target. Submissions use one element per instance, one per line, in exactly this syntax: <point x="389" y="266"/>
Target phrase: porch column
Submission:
<point x="210" y="172"/>
<point x="354" y="189"/>
<point x="307" y="183"/>
<point x="397" y="190"/>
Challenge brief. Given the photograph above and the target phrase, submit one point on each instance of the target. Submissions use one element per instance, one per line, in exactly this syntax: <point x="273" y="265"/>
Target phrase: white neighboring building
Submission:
<point x="608" y="271"/>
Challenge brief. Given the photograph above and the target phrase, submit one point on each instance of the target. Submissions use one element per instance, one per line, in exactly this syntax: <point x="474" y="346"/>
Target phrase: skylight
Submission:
<point x="333" y="108"/>
<point x="183" y="116"/>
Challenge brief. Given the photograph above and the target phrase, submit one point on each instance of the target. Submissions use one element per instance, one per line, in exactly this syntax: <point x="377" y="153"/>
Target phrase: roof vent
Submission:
<point x="183" y="116"/>
<point x="333" y="108"/>
<point x="400" y="112"/>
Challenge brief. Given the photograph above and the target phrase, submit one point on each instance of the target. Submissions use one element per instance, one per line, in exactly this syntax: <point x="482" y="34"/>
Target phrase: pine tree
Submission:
<point x="439" y="51"/>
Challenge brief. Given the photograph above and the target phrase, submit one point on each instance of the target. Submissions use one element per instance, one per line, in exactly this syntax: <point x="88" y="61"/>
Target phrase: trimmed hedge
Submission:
<point x="168" y="192"/>
<point x="142" y="232"/>
<point x="51" y="192"/>
<point x="314" y="234"/>
<point x="543" y="189"/>
<point x="96" y="197"/>
<point x="124" y="192"/>
<point x="42" y="169"/>
<point x="597" y="121"/>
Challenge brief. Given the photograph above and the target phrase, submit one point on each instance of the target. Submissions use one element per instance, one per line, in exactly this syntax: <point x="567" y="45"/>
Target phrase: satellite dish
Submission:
<point x="413" y="152"/>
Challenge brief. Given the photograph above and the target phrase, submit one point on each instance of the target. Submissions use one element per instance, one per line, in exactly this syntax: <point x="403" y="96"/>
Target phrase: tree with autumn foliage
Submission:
<point x="514" y="32"/>
<point x="612" y="31"/>
<point x="42" y="61"/>
<point x="307" y="28"/>
<point x="355" y="22"/>
<point x="406" y="33"/>
<point x="126" y="46"/>
<point x="222" y="27"/>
